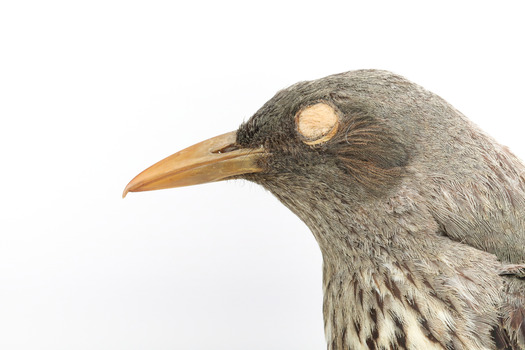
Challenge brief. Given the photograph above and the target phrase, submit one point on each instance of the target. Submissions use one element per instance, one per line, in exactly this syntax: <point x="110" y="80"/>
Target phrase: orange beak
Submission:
<point x="215" y="159"/>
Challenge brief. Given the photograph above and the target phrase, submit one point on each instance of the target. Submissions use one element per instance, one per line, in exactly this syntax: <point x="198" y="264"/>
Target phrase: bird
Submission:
<point x="418" y="213"/>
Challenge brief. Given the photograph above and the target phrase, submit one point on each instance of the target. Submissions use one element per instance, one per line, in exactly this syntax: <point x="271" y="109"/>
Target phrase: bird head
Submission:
<point x="337" y="134"/>
<point x="391" y="179"/>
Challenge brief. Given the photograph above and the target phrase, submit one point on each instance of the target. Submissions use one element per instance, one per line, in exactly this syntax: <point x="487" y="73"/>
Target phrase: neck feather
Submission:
<point x="390" y="280"/>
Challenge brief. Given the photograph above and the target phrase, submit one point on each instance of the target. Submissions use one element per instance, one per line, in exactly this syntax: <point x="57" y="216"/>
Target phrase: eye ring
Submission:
<point x="317" y="123"/>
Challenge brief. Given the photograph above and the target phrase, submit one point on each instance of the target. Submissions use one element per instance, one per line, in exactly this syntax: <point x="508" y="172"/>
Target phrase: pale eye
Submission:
<point x="317" y="123"/>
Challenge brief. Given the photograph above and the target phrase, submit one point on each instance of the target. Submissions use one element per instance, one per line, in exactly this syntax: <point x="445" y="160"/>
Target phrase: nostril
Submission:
<point x="229" y="148"/>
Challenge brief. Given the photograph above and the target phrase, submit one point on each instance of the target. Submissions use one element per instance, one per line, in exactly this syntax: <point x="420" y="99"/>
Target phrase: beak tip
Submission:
<point x="126" y="190"/>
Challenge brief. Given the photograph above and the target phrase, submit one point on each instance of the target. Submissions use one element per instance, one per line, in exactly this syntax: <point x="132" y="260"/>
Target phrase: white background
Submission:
<point x="92" y="92"/>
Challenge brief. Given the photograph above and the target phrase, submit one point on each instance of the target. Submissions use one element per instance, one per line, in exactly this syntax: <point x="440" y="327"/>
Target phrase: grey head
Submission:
<point x="393" y="133"/>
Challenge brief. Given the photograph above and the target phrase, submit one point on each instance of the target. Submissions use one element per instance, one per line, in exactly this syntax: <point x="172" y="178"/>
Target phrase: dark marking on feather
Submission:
<point x="371" y="344"/>
<point x="395" y="289"/>
<point x="413" y="304"/>
<point x="449" y="303"/>
<point x="450" y="346"/>
<point x="357" y="328"/>
<point x="373" y="315"/>
<point x="392" y="286"/>
<point x="464" y="276"/>
<point x="431" y="291"/>
<point x="397" y="321"/>
<point x="399" y="332"/>
<point x="343" y="336"/>
<point x="517" y="319"/>
<point x="401" y="340"/>
<point x="426" y="330"/>
<point x="379" y="301"/>
<point x="501" y="338"/>
<point x="516" y="322"/>
<point x="375" y="333"/>
<point x="411" y="279"/>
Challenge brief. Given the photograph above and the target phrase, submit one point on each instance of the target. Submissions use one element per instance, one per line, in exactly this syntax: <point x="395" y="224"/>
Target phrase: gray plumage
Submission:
<point x="420" y="215"/>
